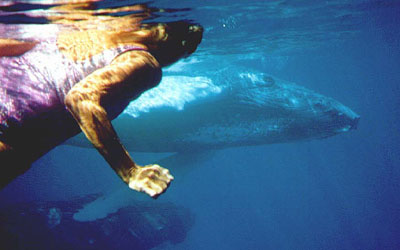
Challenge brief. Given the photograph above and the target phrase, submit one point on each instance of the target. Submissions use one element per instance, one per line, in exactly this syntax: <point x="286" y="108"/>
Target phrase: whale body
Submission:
<point x="228" y="108"/>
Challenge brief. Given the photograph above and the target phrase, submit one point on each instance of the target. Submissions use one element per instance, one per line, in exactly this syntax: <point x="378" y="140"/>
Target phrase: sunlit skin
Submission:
<point x="102" y="69"/>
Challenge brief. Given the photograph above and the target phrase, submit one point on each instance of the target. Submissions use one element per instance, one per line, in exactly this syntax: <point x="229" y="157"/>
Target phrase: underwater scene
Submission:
<point x="280" y="124"/>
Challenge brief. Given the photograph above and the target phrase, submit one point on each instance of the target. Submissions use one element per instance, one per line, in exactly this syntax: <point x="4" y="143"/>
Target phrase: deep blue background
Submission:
<point x="337" y="193"/>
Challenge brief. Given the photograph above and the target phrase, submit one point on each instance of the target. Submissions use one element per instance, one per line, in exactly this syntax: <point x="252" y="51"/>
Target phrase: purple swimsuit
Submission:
<point x="33" y="86"/>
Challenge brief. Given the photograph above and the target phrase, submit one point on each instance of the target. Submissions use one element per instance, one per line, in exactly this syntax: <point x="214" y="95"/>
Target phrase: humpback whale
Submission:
<point x="227" y="108"/>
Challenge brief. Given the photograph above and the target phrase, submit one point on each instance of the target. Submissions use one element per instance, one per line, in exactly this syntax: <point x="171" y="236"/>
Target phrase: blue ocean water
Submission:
<point x="335" y="193"/>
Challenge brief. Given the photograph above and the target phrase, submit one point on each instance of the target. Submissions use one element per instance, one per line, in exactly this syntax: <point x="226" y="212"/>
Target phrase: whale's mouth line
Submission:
<point x="355" y="122"/>
<point x="344" y="129"/>
<point x="351" y="124"/>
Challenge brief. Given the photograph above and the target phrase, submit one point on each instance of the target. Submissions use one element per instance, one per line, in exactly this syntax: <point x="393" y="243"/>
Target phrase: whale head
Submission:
<point x="284" y="111"/>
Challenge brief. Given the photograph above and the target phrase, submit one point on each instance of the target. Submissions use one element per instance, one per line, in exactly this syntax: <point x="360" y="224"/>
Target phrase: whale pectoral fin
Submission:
<point x="85" y="100"/>
<point x="12" y="47"/>
<point x="106" y="204"/>
<point x="180" y="163"/>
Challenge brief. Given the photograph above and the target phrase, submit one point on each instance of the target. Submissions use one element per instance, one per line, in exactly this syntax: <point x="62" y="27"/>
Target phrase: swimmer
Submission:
<point x="78" y="81"/>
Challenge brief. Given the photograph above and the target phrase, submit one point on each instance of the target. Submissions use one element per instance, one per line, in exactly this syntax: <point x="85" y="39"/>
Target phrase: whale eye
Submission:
<point x="269" y="81"/>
